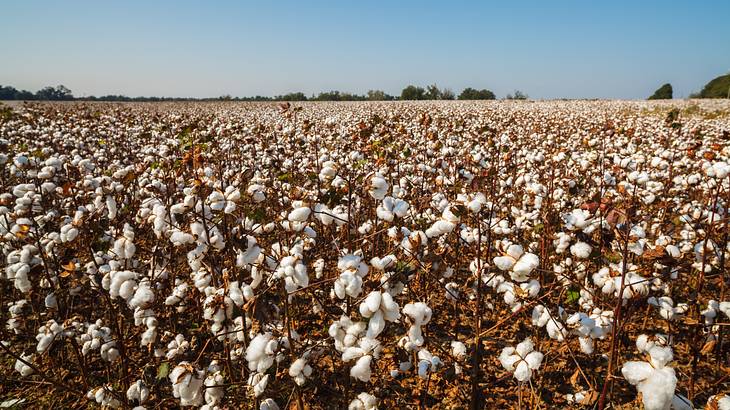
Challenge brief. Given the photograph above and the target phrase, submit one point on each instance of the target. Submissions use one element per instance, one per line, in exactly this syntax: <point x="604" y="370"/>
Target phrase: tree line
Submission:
<point x="411" y="92"/>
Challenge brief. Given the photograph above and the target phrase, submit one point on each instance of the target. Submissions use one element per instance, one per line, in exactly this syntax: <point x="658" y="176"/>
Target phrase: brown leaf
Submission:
<point x="590" y="397"/>
<point x="574" y="378"/>
<point x="708" y="347"/>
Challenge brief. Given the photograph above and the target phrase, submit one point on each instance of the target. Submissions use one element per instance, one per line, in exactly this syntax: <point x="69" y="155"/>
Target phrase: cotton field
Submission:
<point x="365" y="255"/>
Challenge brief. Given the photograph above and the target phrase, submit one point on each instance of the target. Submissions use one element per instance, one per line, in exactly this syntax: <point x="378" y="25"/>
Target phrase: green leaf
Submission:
<point x="573" y="295"/>
<point x="163" y="370"/>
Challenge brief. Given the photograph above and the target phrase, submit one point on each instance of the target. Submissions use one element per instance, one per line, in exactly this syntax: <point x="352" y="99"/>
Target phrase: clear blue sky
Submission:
<point x="548" y="49"/>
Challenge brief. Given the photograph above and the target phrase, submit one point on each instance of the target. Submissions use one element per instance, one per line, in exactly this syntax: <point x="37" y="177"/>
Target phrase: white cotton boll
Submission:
<point x="138" y="391"/>
<point x="504" y="263"/>
<point x="524" y="266"/>
<point x="259" y="353"/>
<point x="458" y="349"/>
<point x="521" y="360"/>
<point x="361" y="369"/>
<point x="383" y="263"/>
<point x="300" y="370"/>
<point x="363" y="401"/>
<point x="69" y="233"/>
<point x="143" y="296"/>
<point x="721" y="402"/>
<point x="300" y="214"/>
<point x="179" y="238"/>
<point x="268" y="404"/>
<point x="378" y="187"/>
<point x="111" y="207"/>
<point x="439" y="228"/>
<point x="655" y="381"/>
<point x="581" y="250"/>
<point x="187" y="383"/>
<point x="23" y="368"/>
<point x="51" y="301"/>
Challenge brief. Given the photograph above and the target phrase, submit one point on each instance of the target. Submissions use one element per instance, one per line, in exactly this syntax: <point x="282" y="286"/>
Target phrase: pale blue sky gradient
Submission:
<point x="548" y="49"/>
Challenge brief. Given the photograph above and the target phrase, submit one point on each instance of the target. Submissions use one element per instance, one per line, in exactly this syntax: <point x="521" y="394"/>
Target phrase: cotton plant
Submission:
<point x="379" y="307"/>
<point x="138" y="392"/>
<point x="427" y="363"/>
<point x="516" y="261"/>
<point x="654" y="379"/>
<point x="667" y="309"/>
<point x="391" y="208"/>
<point x="187" y="384"/>
<point x="104" y="396"/>
<point x="22" y="367"/>
<point x="418" y="314"/>
<point x="300" y="370"/>
<point x="363" y="401"/>
<point x="352" y="271"/>
<point x="521" y="360"/>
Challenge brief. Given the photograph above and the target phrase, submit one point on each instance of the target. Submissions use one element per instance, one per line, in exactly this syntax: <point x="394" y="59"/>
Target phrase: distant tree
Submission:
<point x="299" y="96"/>
<point x="472" y="94"/>
<point x="378" y="95"/>
<point x="59" y="93"/>
<point x="433" y="92"/>
<point x="413" y="93"/>
<point x="662" y="93"/>
<point x="518" y="95"/>
<point x="447" y="94"/>
<point x="719" y="87"/>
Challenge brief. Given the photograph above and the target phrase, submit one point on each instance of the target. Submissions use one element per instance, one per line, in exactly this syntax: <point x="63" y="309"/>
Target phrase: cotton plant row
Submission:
<point x="353" y="255"/>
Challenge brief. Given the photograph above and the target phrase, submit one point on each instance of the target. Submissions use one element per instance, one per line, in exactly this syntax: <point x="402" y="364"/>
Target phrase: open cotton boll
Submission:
<point x="300" y="214"/>
<point x="258" y="382"/>
<point x="363" y="401"/>
<point x="300" y="371"/>
<point x="383" y="263"/>
<point x="721" y="402"/>
<point x="521" y="360"/>
<point x="655" y="381"/>
<point x="104" y="397"/>
<point x="23" y="368"/>
<point x="581" y="250"/>
<point x="361" y="370"/>
<point x="268" y="404"/>
<point x="138" y="391"/>
<point x="187" y="384"/>
<point x="179" y="238"/>
<point x="419" y="314"/>
<point x="378" y="187"/>
<point x="260" y="352"/>
<point x="143" y="296"/>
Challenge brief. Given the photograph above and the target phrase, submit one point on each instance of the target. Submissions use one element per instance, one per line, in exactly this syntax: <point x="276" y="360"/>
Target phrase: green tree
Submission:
<point x="472" y="94"/>
<point x="719" y="87"/>
<point x="662" y="93"/>
<point x="378" y="95"/>
<point x="518" y="95"/>
<point x="413" y="93"/>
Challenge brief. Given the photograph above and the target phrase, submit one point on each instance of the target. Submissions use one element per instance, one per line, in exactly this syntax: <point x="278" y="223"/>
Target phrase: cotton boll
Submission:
<point x="300" y="370"/>
<point x="378" y="187"/>
<point x="138" y="391"/>
<point x="655" y="381"/>
<point x="268" y="404"/>
<point x="521" y="360"/>
<point x="259" y="353"/>
<point x="258" y="381"/>
<point x="361" y="370"/>
<point x="23" y="368"/>
<point x="581" y="250"/>
<point x="363" y="401"/>
<point x="187" y="384"/>
<point x="300" y="214"/>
